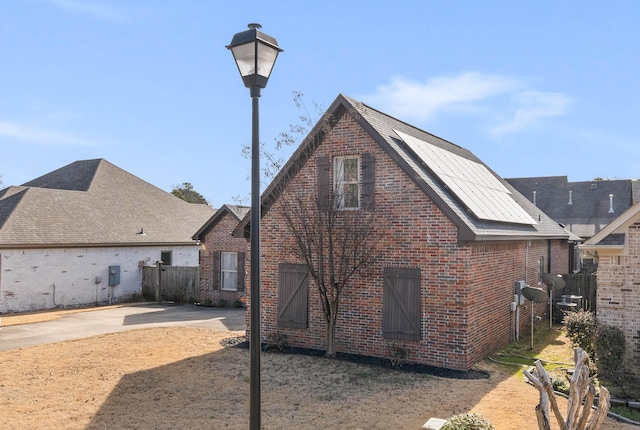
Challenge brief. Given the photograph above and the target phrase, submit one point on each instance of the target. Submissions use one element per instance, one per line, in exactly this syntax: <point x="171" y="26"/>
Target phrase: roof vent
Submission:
<point x="570" y="199"/>
<point x="611" y="204"/>
<point x="594" y="185"/>
<point x="534" y="198"/>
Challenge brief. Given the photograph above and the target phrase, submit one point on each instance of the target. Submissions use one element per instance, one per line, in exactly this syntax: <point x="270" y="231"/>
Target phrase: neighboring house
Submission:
<point x="582" y="207"/>
<point x="459" y="239"/>
<point x="81" y="235"/>
<point x="617" y="249"/>
<point x="222" y="258"/>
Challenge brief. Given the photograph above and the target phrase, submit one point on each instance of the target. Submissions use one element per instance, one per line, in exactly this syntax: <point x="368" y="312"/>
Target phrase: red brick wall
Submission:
<point x="618" y="296"/>
<point x="466" y="289"/>
<point x="219" y="239"/>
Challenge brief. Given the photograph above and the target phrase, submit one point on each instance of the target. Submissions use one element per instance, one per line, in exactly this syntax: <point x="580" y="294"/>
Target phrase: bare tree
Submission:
<point x="580" y="415"/>
<point x="335" y="244"/>
<point x="273" y="156"/>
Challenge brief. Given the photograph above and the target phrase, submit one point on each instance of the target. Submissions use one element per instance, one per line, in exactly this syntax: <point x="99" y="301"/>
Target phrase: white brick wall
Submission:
<point x="33" y="279"/>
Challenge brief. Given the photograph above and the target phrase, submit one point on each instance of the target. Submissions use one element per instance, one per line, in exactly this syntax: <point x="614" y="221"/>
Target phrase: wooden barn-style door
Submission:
<point x="293" y="295"/>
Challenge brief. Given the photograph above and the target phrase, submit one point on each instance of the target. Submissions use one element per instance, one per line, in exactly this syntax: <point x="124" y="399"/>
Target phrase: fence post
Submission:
<point x="158" y="281"/>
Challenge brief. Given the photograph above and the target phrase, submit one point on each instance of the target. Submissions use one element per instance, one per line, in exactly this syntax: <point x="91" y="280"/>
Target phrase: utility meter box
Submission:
<point x="518" y="293"/>
<point x="114" y="275"/>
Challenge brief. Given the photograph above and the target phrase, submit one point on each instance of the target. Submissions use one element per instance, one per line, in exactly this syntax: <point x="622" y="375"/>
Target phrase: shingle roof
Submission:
<point x="611" y="239"/>
<point x="589" y="210"/>
<point x="381" y="127"/>
<point x="238" y="212"/>
<point x="95" y="203"/>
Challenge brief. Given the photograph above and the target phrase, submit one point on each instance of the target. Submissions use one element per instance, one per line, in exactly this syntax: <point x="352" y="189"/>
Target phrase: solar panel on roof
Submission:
<point x="471" y="182"/>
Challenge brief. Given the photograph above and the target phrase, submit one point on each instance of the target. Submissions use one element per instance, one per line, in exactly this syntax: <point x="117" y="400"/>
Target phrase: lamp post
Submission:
<point x="255" y="54"/>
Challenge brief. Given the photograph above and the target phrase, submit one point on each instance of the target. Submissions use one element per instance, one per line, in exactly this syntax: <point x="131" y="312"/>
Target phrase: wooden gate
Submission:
<point x="171" y="283"/>
<point x="580" y="284"/>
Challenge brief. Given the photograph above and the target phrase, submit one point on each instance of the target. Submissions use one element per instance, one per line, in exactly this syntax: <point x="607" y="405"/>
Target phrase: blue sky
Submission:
<point x="533" y="88"/>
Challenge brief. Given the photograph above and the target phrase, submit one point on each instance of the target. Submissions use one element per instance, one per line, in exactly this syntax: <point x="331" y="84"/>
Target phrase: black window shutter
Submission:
<point x="323" y="182"/>
<point x="292" y="295"/>
<point x="240" y="262"/>
<point x="216" y="270"/>
<point x="368" y="181"/>
<point x="401" y="318"/>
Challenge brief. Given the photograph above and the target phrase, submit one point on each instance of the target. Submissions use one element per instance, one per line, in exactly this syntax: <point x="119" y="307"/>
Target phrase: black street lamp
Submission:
<point x="255" y="54"/>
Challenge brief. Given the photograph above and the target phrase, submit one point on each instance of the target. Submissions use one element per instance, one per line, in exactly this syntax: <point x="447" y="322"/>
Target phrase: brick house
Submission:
<point x="442" y="286"/>
<point x="617" y="250"/>
<point x="222" y="257"/>
<point x="583" y="207"/>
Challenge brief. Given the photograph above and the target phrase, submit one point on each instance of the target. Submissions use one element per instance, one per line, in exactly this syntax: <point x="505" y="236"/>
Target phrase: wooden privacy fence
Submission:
<point x="580" y="284"/>
<point x="176" y="283"/>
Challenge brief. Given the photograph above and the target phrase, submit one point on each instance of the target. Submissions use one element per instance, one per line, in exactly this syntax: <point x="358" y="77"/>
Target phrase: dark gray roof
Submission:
<point x="381" y="127"/>
<point x="583" y="207"/>
<point x="76" y="176"/>
<point x="612" y="239"/>
<point x="95" y="203"/>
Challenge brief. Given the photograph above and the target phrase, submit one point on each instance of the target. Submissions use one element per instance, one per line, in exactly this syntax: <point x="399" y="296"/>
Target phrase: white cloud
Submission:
<point x="87" y="7"/>
<point x="492" y="96"/>
<point x="531" y="107"/>
<point x="40" y="136"/>
<point x="413" y="100"/>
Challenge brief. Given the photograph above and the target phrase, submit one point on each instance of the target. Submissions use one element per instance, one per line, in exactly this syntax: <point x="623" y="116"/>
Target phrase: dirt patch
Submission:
<point x="185" y="378"/>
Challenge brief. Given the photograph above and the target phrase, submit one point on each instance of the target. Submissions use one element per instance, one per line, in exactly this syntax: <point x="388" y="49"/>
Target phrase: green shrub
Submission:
<point x="467" y="421"/>
<point x="222" y="303"/>
<point x="561" y="385"/>
<point x="238" y="303"/>
<point x="398" y="355"/>
<point x="581" y="330"/>
<point x="277" y="341"/>
<point x="610" y="346"/>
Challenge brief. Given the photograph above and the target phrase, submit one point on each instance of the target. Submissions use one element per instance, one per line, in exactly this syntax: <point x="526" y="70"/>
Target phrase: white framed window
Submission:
<point x="229" y="270"/>
<point x="346" y="181"/>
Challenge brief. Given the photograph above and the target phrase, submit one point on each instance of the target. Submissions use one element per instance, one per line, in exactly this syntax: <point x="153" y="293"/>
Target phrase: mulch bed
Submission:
<point x="242" y="343"/>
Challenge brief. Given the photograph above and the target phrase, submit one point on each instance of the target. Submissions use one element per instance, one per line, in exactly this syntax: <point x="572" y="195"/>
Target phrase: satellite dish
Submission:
<point x="535" y="294"/>
<point x="553" y="281"/>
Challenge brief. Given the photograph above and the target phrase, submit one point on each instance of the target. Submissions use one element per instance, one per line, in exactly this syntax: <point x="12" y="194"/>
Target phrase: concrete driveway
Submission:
<point x="101" y="321"/>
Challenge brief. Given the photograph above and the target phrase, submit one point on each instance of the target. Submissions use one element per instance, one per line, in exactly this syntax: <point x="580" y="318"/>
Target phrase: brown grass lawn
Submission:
<point x="185" y="378"/>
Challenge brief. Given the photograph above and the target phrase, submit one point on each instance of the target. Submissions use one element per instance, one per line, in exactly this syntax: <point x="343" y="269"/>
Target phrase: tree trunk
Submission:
<point x="581" y="395"/>
<point x="331" y="337"/>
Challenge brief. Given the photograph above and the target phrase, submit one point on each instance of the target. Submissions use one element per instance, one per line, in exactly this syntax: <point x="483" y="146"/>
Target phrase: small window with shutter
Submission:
<point x="346" y="182"/>
<point x="401" y="317"/>
<point x="353" y="182"/>
<point x="228" y="271"/>
<point x="292" y="295"/>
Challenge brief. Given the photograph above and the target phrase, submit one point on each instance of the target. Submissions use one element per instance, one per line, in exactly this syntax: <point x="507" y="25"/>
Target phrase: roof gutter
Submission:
<point x="95" y="245"/>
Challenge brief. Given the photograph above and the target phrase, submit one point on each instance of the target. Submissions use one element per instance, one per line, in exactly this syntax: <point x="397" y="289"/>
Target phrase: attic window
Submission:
<point x="353" y="182"/>
<point x="346" y="180"/>
<point x="613" y="239"/>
